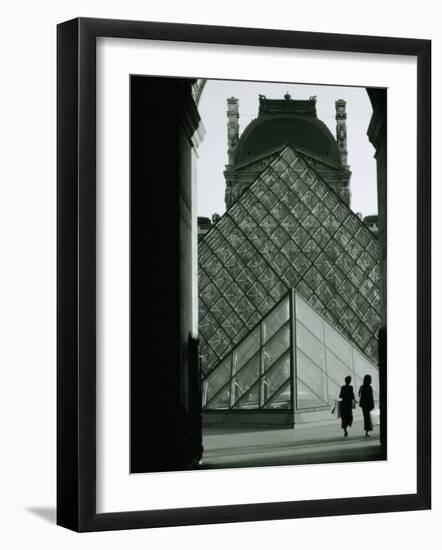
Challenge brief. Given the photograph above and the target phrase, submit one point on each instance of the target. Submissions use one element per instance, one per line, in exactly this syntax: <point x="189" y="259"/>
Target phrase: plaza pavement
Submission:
<point x="309" y="443"/>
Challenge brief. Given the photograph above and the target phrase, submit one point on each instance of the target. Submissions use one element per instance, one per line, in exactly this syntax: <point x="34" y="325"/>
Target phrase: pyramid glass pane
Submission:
<point x="312" y="375"/>
<point x="311" y="346"/>
<point x="337" y="370"/>
<point x="338" y="344"/>
<point x="250" y="400"/>
<point x="309" y="319"/>
<point x="244" y="379"/>
<point x="246" y="349"/>
<point x="217" y="380"/>
<point x="276" y="377"/>
<point x="306" y="398"/>
<point x="273" y="350"/>
<point x="281" y="399"/>
<point x="324" y="360"/>
<point x="221" y="400"/>
<point x="275" y="320"/>
<point x="254" y="373"/>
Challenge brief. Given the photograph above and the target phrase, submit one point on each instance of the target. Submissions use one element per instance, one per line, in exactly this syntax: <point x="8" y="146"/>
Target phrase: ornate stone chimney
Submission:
<point x="341" y="130"/>
<point x="232" y="127"/>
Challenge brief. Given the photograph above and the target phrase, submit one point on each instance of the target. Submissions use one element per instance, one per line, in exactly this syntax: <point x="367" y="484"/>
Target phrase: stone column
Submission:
<point x="232" y="141"/>
<point x="232" y="127"/>
<point x="377" y="134"/>
<point x="165" y="424"/>
<point x="341" y="130"/>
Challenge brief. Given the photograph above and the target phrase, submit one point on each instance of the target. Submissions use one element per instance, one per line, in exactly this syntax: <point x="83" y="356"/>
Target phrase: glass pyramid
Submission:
<point x="289" y="229"/>
<point x="293" y="359"/>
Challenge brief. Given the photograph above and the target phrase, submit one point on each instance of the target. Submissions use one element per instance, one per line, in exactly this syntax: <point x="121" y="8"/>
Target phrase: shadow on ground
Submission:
<point x="47" y="513"/>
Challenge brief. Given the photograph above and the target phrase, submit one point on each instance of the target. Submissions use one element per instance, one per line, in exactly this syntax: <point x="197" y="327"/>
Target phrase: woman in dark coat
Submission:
<point x="347" y="397"/>
<point x="366" y="402"/>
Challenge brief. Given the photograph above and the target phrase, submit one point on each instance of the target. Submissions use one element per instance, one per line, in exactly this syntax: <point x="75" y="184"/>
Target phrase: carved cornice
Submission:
<point x="189" y="115"/>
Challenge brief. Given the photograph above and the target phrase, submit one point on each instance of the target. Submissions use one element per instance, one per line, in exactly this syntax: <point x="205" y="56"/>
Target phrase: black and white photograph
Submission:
<point x="282" y="324"/>
<point x="229" y="316"/>
<point x="220" y="231"/>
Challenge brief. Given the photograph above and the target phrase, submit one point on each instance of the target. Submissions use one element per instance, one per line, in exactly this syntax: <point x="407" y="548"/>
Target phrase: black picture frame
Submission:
<point x="76" y="274"/>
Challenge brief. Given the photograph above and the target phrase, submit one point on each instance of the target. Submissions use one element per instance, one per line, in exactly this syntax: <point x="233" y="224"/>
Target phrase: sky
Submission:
<point x="213" y="150"/>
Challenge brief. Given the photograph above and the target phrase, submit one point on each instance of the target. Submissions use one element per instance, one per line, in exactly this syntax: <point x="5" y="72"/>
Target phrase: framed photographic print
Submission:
<point x="225" y="289"/>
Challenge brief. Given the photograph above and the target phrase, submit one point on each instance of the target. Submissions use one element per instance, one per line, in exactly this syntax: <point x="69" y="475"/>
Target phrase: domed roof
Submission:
<point x="268" y="132"/>
<point x="287" y="121"/>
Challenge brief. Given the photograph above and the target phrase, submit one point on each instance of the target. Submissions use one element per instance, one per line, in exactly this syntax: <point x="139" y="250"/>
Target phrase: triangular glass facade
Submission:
<point x="293" y="359"/>
<point x="289" y="229"/>
<point x="323" y="358"/>
<point x="257" y="373"/>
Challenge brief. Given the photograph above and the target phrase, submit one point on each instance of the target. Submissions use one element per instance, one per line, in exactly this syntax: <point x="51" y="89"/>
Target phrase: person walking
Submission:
<point x="347" y="397"/>
<point x="366" y="402"/>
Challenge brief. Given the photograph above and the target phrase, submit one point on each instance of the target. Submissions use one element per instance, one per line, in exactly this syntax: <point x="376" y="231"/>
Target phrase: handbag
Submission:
<point x="353" y="403"/>
<point x="336" y="409"/>
<point x="375" y="417"/>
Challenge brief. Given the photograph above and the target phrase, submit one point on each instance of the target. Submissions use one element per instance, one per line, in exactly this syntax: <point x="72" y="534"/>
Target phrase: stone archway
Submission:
<point x="197" y="89"/>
